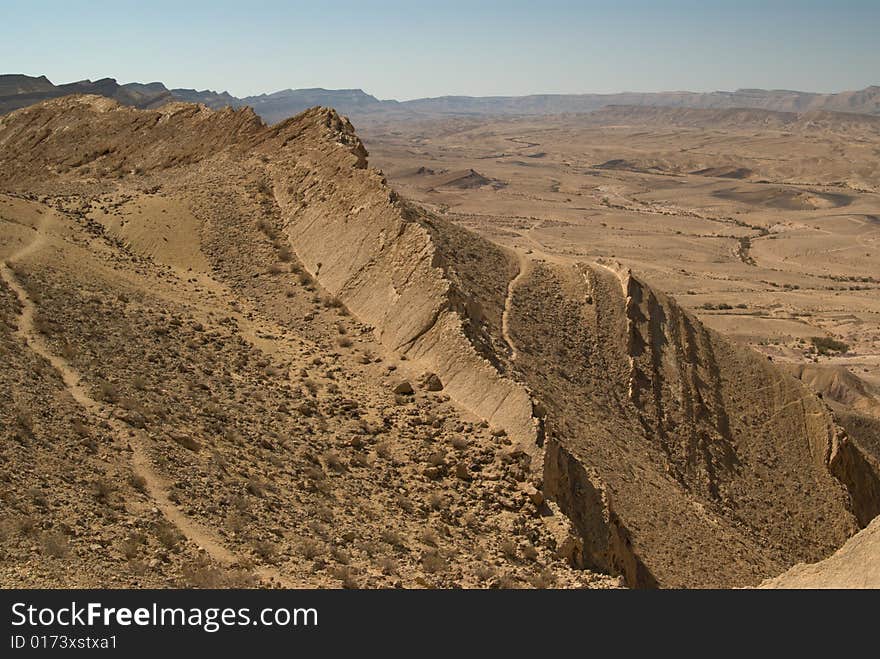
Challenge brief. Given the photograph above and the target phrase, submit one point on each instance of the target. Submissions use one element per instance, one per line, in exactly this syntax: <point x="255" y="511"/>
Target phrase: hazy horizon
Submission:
<point x="381" y="98"/>
<point x="396" y="51"/>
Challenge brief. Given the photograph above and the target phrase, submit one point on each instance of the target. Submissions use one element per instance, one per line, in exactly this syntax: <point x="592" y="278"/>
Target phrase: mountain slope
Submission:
<point x="316" y="382"/>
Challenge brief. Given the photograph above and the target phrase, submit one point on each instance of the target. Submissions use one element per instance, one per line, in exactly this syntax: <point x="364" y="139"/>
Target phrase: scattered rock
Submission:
<point x="404" y="388"/>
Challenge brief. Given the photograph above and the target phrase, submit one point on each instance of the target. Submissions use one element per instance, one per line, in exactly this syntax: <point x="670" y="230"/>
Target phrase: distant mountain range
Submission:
<point x="18" y="91"/>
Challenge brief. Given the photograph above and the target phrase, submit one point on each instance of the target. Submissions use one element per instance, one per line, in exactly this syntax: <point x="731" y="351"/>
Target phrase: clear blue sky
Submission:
<point x="404" y="50"/>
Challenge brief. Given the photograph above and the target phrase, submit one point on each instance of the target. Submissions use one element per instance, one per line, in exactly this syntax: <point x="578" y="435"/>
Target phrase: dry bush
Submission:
<point x="333" y="461"/>
<point x="388" y="565"/>
<point x="428" y="537"/>
<point x="543" y="579"/>
<point x="102" y="489"/>
<point x="509" y="549"/>
<point x="340" y="556"/>
<point x="433" y="562"/>
<point x="347" y="576"/>
<point x="108" y="392"/>
<point x="167" y="534"/>
<point x="55" y="544"/>
<point x="24" y="419"/>
<point x="484" y="571"/>
<point x="236" y="522"/>
<point x="383" y="450"/>
<point x="404" y="502"/>
<point x="201" y="574"/>
<point x="392" y="537"/>
<point x="131" y="546"/>
<point x="435" y="501"/>
<point x="507" y="582"/>
<point x="265" y="550"/>
<point x="310" y="548"/>
<point x="25" y="525"/>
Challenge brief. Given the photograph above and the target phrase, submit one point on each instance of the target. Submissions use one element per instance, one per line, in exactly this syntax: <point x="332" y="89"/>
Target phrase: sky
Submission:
<point x="415" y="49"/>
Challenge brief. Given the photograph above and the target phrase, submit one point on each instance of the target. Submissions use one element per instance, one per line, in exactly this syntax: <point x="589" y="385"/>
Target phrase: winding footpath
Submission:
<point x="508" y="302"/>
<point x="155" y="486"/>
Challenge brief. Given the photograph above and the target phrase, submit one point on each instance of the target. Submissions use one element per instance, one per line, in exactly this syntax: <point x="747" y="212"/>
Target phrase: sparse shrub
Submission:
<point x="509" y="549"/>
<point x="131" y="546"/>
<point x="383" y="450"/>
<point x="347" y="576"/>
<point x="103" y="490"/>
<point x="42" y="324"/>
<point x="256" y="487"/>
<point x="25" y="525"/>
<point x="333" y="461"/>
<point x="201" y="574"/>
<point x="236" y="522"/>
<point x="388" y="565"/>
<point x="507" y="582"/>
<point x="55" y="544"/>
<point x="285" y="254"/>
<point x="186" y="442"/>
<point x="277" y="269"/>
<point x="469" y="520"/>
<point x="435" y="501"/>
<point x="428" y="537"/>
<point x="826" y="345"/>
<point x="310" y="548"/>
<point x="404" y="502"/>
<point x="167" y="534"/>
<point x="340" y="556"/>
<point x="392" y="537"/>
<point x="37" y="496"/>
<point x="24" y="420"/>
<point x="138" y="482"/>
<point x="433" y="561"/>
<point x="108" y="392"/>
<point x="484" y="571"/>
<point x="360" y="459"/>
<point x="344" y="342"/>
<point x="543" y="579"/>
<point x="265" y="550"/>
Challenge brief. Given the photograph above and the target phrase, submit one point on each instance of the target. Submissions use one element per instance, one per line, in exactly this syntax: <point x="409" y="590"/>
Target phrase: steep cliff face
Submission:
<point x="701" y="463"/>
<point x="397" y="269"/>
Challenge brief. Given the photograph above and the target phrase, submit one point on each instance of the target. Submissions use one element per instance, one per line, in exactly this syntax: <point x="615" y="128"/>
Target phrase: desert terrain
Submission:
<point x="763" y="224"/>
<point x="634" y="348"/>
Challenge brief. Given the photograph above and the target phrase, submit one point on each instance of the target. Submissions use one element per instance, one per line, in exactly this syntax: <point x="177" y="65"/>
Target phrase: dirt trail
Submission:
<point x="155" y="485"/>
<point x="524" y="267"/>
